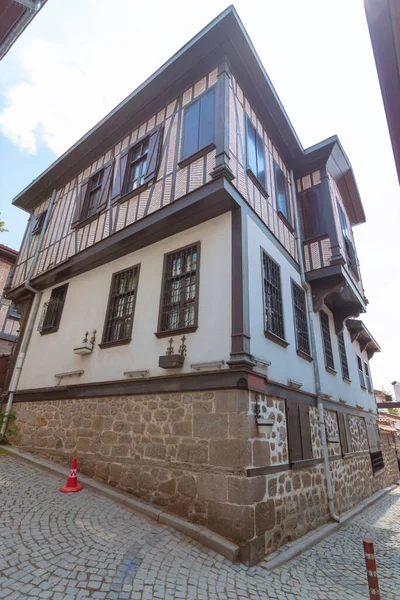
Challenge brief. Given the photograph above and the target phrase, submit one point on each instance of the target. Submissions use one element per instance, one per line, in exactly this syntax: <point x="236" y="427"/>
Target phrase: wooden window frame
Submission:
<point x="361" y="372"/>
<point x="262" y="187"/>
<point x="327" y="342"/>
<point x="187" y="329"/>
<point x="298" y="425"/>
<point x="111" y="297"/>
<point x="186" y="159"/>
<point x="39" y="222"/>
<point x="46" y="329"/>
<point x="268" y="332"/>
<point x="79" y="218"/>
<point x="84" y="216"/>
<point x="344" y="363"/>
<point x="346" y="443"/>
<point x="287" y="219"/>
<point x="298" y="312"/>
<point x="142" y="159"/>
<point x="368" y="379"/>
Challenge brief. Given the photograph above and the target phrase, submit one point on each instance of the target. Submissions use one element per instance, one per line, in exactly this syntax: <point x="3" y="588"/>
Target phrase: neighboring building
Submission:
<point x="173" y="330"/>
<point x="383" y="18"/>
<point x="9" y="317"/>
<point x="15" y="16"/>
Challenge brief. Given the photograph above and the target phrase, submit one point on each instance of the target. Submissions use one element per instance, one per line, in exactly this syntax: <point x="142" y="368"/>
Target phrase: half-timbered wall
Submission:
<point x="61" y="241"/>
<point x="265" y="207"/>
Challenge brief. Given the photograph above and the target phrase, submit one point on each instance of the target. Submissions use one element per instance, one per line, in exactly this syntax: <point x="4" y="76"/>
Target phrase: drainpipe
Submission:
<point x="317" y="379"/>
<point x="34" y="311"/>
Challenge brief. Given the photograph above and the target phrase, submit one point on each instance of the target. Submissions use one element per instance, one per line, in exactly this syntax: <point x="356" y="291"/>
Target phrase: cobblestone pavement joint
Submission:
<point x="73" y="546"/>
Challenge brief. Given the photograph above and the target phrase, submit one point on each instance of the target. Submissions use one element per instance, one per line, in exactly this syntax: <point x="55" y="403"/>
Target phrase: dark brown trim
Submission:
<point x="352" y="454"/>
<point x="310" y="462"/>
<point x="285" y="220"/>
<point x="202" y="152"/>
<point x="48" y="331"/>
<point x="304" y="355"/>
<point x="346" y="379"/>
<point x="116" y="343"/>
<point x="128" y="195"/>
<point x="276" y="339"/>
<point x="221" y="133"/>
<point x="254" y="179"/>
<point x="330" y="370"/>
<point x="257" y="471"/>
<point x="173" y="332"/>
<point x="347" y="409"/>
<point x="88" y="220"/>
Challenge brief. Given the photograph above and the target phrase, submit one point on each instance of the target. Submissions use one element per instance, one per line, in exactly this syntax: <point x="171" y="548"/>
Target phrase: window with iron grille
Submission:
<point x="39" y="222"/>
<point x="368" y="377"/>
<point x="326" y="340"/>
<point x="282" y="192"/>
<point x="93" y="195"/>
<point x="273" y="311"/>
<point x="52" y="310"/>
<point x="136" y="168"/>
<point x="343" y="356"/>
<point x="350" y="251"/>
<point x="121" y="306"/>
<point x="180" y="289"/>
<point x="198" y="124"/>
<point x="256" y="154"/>
<point x="360" y="372"/>
<point x="300" y="319"/>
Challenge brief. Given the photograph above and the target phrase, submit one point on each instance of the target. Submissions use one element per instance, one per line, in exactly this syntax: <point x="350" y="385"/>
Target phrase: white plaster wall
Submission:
<point x="334" y="384"/>
<point x="285" y="362"/>
<point x="86" y="304"/>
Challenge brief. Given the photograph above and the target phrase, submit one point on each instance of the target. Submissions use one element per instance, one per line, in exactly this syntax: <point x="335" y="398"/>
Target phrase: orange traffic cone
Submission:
<point x="72" y="484"/>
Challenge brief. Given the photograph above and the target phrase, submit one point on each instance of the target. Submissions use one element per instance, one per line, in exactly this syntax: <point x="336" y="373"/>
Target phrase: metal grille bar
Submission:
<point x="300" y="319"/>
<point x="52" y="310"/>
<point x="180" y="289"/>
<point x="272" y="297"/>
<point x="121" y="305"/>
<point x="368" y="377"/>
<point x="326" y="339"/>
<point x="343" y="355"/>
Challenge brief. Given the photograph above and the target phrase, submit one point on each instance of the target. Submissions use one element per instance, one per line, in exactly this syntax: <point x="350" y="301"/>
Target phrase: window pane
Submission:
<point x="272" y="297"/>
<point x="191" y="124"/>
<point x="251" y="148"/>
<point x="300" y="319"/>
<point x="206" y="134"/>
<point x="343" y="356"/>
<point x="261" y="176"/>
<point x="121" y="305"/>
<point x="281" y="192"/>
<point x="326" y="340"/>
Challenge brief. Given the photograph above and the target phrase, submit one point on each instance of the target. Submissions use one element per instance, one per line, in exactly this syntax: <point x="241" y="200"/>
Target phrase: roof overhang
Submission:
<point x="359" y="332"/>
<point x="383" y="18"/>
<point x="15" y="16"/>
<point x="224" y="34"/>
<point x="8" y="254"/>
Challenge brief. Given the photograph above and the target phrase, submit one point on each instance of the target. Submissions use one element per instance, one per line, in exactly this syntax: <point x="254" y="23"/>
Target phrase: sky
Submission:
<point x="80" y="58"/>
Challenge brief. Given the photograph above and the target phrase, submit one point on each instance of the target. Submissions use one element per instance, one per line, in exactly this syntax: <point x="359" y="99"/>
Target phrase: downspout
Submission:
<point x="317" y="379"/>
<point x="34" y="311"/>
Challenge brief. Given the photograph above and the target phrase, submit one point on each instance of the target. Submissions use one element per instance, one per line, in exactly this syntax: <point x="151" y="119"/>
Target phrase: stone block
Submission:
<point x="242" y="425"/>
<point x="210" y="426"/>
<point x="168" y="487"/>
<point x="155" y="451"/>
<point x="188" y="486"/>
<point x="212" y="487"/>
<point x="244" y="490"/>
<point x="184" y="428"/>
<point x="119" y="450"/>
<point x="272" y="487"/>
<point x="265" y="516"/>
<point x="261" y="453"/>
<point x="193" y="453"/>
<point x="83" y="444"/>
<point x="231" y="521"/>
<point x="253" y="552"/>
<point x="230" y="453"/>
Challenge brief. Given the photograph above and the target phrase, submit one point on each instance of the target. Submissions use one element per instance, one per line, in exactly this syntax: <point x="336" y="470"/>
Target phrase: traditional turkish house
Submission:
<point x="175" y="351"/>
<point x="9" y="317"/>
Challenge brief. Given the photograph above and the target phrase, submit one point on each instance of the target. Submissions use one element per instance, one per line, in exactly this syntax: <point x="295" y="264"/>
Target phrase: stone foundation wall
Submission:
<point x="201" y="456"/>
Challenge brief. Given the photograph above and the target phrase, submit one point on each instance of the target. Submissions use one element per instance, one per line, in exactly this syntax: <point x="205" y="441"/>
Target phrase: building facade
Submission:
<point x="197" y="302"/>
<point x="9" y="317"/>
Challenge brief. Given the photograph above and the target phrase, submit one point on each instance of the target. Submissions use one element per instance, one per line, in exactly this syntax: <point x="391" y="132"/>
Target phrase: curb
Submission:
<point x="276" y="559"/>
<point x="206" y="537"/>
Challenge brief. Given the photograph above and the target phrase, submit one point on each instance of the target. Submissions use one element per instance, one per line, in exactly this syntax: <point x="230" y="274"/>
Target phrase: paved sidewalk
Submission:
<point x="71" y="546"/>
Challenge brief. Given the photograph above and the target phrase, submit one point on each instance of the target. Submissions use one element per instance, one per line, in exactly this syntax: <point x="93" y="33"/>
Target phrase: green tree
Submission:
<point x="394" y="411"/>
<point x="2" y="228"/>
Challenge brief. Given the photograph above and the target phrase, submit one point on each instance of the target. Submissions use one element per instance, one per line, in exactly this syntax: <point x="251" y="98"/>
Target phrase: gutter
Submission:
<point x="34" y="311"/>
<point x="317" y="379"/>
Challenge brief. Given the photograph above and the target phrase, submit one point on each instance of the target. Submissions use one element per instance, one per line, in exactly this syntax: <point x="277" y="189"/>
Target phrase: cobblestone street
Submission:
<point x="69" y="546"/>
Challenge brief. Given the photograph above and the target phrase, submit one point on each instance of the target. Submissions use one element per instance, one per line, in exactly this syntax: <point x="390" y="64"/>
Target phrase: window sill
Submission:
<point x="379" y="472"/>
<point x="189" y="159"/>
<point x="304" y="355"/>
<point x="346" y="379"/>
<point x="330" y="370"/>
<point x="173" y="332"/>
<point x="276" y="339"/>
<point x="116" y="343"/>
<point x="258" y="185"/>
<point x="370" y="392"/>
<point x="363" y="388"/>
<point x="285" y="221"/>
<point x="48" y="331"/>
<point x="131" y="194"/>
<point x="351" y="454"/>
<point x="308" y="462"/>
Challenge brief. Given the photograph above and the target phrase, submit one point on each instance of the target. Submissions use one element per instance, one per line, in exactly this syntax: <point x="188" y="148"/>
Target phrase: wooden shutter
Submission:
<point x="374" y="441"/>
<point x="79" y="202"/>
<point x="342" y="433"/>
<point x="294" y="434"/>
<point x="251" y="145"/>
<point x="105" y="187"/>
<point x="154" y="153"/>
<point x="119" y="175"/>
<point x="305" y="428"/>
<point x="207" y="116"/>
<point x="191" y="123"/>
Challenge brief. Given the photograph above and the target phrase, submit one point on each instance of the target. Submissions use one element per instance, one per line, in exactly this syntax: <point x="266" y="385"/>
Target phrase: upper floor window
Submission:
<point x="137" y="163"/>
<point x="343" y="356"/>
<point x="121" y="307"/>
<point x="180" y="290"/>
<point x="273" y="311"/>
<point x="39" y="222"/>
<point x="52" y="310"/>
<point x="255" y="155"/>
<point x="361" y="372"/>
<point x="326" y="340"/>
<point x="350" y="251"/>
<point x="300" y="319"/>
<point x="368" y="377"/>
<point x="198" y="124"/>
<point x="93" y="194"/>
<point x="282" y="192"/>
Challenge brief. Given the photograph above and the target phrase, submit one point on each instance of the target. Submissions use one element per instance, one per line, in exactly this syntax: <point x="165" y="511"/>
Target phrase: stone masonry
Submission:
<point x="190" y="453"/>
